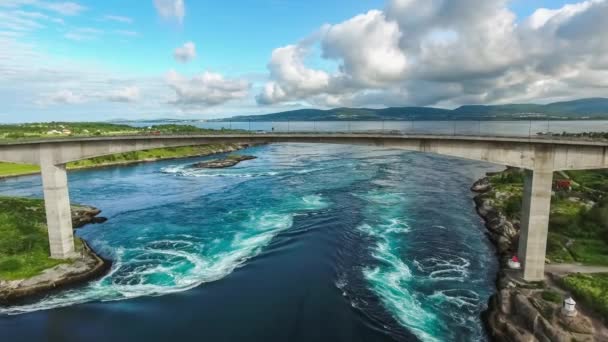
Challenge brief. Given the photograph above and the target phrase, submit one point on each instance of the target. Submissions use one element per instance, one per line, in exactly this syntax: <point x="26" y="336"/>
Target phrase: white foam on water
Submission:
<point x="458" y="298"/>
<point x="173" y="264"/>
<point x="390" y="280"/>
<point x="314" y="202"/>
<point x="186" y="171"/>
<point x="447" y="267"/>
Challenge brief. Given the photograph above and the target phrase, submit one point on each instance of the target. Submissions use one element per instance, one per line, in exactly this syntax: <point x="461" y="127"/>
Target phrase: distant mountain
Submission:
<point x="592" y="108"/>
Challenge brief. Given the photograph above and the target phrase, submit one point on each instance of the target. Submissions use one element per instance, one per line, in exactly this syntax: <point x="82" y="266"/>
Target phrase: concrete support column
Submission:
<point x="535" y="223"/>
<point x="57" y="204"/>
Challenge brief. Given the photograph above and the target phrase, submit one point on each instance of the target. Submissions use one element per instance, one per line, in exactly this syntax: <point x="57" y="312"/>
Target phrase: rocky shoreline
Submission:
<point x="518" y="311"/>
<point x="85" y="267"/>
<point x="222" y="163"/>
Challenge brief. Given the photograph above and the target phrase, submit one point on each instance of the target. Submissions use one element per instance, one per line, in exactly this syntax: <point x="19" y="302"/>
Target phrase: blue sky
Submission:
<point x="98" y="60"/>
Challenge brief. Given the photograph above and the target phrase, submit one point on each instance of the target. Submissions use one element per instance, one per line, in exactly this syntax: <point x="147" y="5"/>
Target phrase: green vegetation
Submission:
<point x="9" y="169"/>
<point x="24" y="246"/>
<point x="592" y="108"/>
<point x="154" y="154"/>
<point x="578" y="227"/>
<point x="58" y="130"/>
<point x="591" y="289"/>
<point x="552" y="296"/>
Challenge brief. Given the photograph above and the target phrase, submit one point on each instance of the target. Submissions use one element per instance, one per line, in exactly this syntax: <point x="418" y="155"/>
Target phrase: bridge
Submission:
<point x="540" y="157"/>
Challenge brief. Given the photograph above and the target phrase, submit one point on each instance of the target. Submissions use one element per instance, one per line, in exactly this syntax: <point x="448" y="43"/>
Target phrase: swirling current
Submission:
<point x="308" y="242"/>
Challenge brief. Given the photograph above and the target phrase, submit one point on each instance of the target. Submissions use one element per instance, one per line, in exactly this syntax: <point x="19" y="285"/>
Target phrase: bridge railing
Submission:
<point x="585" y="130"/>
<point x="529" y="128"/>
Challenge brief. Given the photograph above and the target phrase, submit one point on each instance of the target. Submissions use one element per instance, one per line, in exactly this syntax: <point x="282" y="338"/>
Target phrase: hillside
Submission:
<point x="591" y="108"/>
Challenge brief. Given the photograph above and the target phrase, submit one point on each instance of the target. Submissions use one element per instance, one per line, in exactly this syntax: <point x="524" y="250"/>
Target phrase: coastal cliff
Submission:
<point x="521" y="311"/>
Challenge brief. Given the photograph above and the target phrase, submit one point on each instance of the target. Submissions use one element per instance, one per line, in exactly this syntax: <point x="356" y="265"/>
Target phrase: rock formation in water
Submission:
<point x="222" y="163"/>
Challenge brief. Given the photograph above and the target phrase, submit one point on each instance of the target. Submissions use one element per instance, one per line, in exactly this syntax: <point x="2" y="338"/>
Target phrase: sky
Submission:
<point x="93" y="60"/>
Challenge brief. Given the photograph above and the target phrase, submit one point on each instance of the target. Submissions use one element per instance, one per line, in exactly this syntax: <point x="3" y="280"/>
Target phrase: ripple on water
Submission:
<point x="162" y="263"/>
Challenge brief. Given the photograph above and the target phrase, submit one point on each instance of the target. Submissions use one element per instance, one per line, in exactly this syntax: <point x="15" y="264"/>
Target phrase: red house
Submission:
<point x="563" y="184"/>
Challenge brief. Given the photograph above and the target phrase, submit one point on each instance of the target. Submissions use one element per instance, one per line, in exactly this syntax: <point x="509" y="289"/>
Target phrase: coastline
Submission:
<point x="88" y="265"/>
<point x="85" y="267"/>
<point x="519" y="311"/>
<point x="226" y="149"/>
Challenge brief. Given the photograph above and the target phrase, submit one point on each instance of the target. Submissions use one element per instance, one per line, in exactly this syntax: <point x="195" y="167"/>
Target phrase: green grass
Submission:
<point x="590" y="251"/>
<point x="160" y="153"/>
<point x="593" y="179"/>
<point x="556" y="249"/>
<point x="576" y="233"/>
<point x="10" y="169"/>
<point x="24" y="244"/>
<point x="552" y="296"/>
<point x="591" y="289"/>
<point x="9" y="133"/>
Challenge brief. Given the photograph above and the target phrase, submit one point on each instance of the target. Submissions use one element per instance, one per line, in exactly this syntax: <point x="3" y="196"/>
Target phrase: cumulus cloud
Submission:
<point x="126" y="94"/>
<point x="206" y="89"/>
<point x="185" y="53"/>
<point x="171" y="9"/>
<point x="437" y="52"/>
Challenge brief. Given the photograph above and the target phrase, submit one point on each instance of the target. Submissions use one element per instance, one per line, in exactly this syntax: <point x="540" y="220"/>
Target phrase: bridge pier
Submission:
<point x="535" y="223"/>
<point x="58" y="210"/>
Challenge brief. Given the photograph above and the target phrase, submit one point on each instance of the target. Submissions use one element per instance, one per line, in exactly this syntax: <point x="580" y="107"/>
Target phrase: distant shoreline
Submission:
<point x="131" y="162"/>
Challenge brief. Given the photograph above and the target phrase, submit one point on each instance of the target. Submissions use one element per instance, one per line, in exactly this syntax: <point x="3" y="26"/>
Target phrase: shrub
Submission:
<point x="552" y="296"/>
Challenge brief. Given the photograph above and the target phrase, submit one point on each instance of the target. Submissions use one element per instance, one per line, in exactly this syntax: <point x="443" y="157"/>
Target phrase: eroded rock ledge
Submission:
<point x="85" y="267"/>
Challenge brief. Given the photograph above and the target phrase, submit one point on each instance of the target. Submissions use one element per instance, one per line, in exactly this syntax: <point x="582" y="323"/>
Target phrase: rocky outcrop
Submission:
<point x="517" y="312"/>
<point x="83" y="215"/>
<point x="222" y="163"/>
<point x="84" y="267"/>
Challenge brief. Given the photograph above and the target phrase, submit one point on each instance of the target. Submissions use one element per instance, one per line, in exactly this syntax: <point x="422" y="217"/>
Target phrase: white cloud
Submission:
<point x="83" y="34"/>
<point x="185" y="53"/>
<point x="61" y="97"/>
<point x="118" y="19"/>
<point x="380" y="61"/>
<point x="206" y="89"/>
<point x="171" y="9"/>
<point x="126" y="33"/>
<point x="126" y="94"/>
<point x="67" y="8"/>
<point x="292" y="79"/>
<point x="437" y="52"/>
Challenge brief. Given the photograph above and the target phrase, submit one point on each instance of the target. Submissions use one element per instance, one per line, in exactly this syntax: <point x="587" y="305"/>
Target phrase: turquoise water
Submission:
<point x="307" y="242"/>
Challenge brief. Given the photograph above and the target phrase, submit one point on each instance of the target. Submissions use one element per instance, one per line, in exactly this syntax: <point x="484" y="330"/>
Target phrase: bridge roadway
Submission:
<point x="540" y="157"/>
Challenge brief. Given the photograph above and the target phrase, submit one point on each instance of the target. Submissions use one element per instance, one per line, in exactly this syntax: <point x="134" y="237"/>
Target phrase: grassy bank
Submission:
<point x="58" y="130"/>
<point x="9" y="169"/>
<point x="578" y="227"/>
<point x="24" y="244"/>
<point x="591" y="289"/>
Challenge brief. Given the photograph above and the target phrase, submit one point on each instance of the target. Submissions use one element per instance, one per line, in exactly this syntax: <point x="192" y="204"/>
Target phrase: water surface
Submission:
<point x="307" y="242"/>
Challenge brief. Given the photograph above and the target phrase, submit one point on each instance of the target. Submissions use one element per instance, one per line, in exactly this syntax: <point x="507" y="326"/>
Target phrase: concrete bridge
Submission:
<point x="539" y="156"/>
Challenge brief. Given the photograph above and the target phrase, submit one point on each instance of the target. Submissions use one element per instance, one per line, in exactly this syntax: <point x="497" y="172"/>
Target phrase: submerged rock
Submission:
<point x="222" y="163"/>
